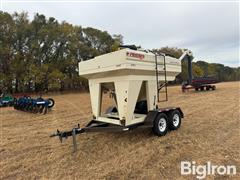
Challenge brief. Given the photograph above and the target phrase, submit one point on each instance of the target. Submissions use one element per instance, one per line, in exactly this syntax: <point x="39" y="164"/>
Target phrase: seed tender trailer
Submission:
<point x="134" y="78"/>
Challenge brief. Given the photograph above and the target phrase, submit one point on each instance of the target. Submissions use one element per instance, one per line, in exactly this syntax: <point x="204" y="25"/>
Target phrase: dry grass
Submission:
<point x="209" y="132"/>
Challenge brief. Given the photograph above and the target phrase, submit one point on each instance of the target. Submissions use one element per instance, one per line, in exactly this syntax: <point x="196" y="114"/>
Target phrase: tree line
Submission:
<point x="43" y="54"/>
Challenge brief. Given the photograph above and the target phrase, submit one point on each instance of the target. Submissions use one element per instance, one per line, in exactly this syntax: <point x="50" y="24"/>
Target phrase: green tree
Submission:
<point x="7" y="28"/>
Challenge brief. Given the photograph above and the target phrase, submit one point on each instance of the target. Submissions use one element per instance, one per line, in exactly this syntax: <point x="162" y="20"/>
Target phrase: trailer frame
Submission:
<point x="97" y="126"/>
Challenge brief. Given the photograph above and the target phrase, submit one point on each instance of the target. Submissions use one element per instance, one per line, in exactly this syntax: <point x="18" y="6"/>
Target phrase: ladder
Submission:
<point x="164" y="84"/>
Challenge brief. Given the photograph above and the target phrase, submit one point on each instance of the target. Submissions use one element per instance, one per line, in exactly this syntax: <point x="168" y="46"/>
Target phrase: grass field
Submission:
<point x="209" y="132"/>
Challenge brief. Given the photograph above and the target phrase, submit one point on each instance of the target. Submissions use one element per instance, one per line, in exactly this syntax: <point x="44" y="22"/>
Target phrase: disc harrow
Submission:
<point x="38" y="105"/>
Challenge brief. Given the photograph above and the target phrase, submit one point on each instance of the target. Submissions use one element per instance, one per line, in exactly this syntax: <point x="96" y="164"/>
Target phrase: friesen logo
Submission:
<point x="135" y="55"/>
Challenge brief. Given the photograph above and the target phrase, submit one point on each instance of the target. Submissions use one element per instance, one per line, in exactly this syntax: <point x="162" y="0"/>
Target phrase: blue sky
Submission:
<point x="209" y="29"/>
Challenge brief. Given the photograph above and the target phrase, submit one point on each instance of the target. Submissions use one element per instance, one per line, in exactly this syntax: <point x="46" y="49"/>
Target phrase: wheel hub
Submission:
<point x="175" y="120"/>
<point x="162" y="124"/>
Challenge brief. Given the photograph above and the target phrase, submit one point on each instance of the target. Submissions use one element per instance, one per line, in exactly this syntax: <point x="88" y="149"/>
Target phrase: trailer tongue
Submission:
<point x="134" y="78"/>
<point x="93" y="126"/>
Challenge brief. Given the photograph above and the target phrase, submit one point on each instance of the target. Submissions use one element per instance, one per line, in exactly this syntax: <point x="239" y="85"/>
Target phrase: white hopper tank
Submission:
<point x="131" y="74"/>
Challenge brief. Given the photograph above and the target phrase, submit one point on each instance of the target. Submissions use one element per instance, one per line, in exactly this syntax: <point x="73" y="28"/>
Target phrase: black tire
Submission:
<point x="196" y="89"/>
<point x="213" y="88"/>
<point x="174" y="120"/>
<point x="160" y="125"/>
<point x="207" y="88"/>
<point x="52" y="102"/>
<point x="202" y="88"/>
